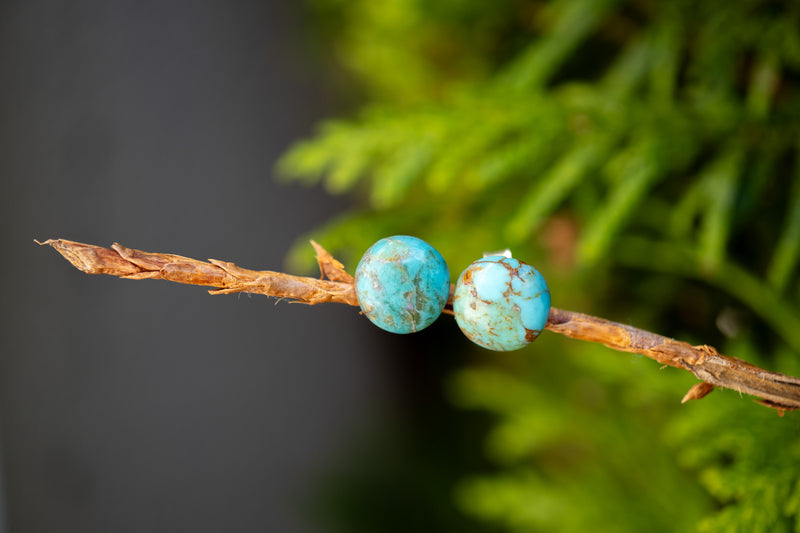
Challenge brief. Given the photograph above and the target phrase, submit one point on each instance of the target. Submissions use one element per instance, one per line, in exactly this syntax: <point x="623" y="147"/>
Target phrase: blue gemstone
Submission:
<point x="501" y="303"/>
<point x="402" y="284"/>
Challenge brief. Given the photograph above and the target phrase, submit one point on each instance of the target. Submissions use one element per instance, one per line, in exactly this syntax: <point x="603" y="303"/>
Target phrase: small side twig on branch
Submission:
<point x="713" y="369"/>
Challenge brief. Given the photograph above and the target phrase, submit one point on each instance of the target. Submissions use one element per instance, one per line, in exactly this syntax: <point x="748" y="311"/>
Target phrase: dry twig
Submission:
<point x="713" y="369"/>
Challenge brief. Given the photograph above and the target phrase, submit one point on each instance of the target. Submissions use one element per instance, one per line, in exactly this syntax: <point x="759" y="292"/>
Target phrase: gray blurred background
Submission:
<point x="151" y="406"/>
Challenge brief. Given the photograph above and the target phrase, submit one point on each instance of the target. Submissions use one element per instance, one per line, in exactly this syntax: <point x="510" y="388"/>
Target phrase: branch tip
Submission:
<point x="698" y="391"/>
<point x="329" y="267"/>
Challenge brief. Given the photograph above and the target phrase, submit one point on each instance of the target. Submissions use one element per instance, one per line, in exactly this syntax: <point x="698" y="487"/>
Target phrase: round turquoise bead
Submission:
<point x="402" y="284"/>
<point x="501" y="303"/>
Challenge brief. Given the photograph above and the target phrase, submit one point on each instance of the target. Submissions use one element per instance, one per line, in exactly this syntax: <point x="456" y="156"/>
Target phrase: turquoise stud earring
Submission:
<point x="402" y="284"/>
<point x="501" y="303"/>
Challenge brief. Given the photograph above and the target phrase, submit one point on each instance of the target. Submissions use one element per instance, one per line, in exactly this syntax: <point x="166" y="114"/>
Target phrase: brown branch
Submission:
<point x="226" y="277"/>
<point x="713" y="369"/>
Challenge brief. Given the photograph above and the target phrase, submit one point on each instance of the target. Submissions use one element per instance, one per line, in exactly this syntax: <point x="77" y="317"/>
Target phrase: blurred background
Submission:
<point x="643" y="156"/>
<point x="153" y="407"/>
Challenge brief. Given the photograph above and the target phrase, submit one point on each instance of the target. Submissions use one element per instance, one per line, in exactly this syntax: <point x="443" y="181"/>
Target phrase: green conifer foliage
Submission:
<point x="644" y="156"/>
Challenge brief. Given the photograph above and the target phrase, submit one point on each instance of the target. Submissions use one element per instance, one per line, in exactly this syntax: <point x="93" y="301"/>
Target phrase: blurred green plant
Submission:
<point x="646" y="154"/>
